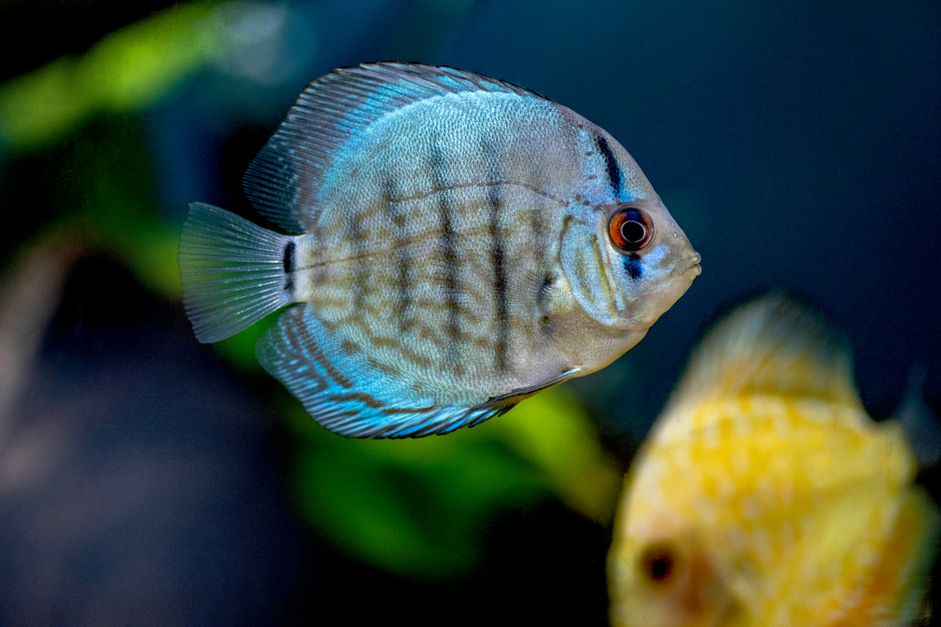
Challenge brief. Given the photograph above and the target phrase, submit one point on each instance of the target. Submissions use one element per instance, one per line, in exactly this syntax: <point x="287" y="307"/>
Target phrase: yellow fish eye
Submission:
<point x="658" y="563"/>
<point x="630" y="229"/>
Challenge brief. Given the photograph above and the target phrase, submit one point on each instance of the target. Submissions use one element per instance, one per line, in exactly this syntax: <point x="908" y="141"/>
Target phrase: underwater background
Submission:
<point x="148" y="478"/>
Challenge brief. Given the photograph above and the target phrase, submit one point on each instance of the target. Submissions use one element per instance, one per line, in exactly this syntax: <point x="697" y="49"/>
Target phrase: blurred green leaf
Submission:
<point x="422" y="506"/>
<point x="240" y="348"/>
<point x="109" y="199"/>
<point x="553" y="433"/>
<point x="40" y="106"/>
<point x="151" y="255"/>
<point x="127" y="70"/>
<point x="424" y="518"/>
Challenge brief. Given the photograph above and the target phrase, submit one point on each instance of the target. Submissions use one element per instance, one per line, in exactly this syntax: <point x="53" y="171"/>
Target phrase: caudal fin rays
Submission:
<point x="232" y="271"/>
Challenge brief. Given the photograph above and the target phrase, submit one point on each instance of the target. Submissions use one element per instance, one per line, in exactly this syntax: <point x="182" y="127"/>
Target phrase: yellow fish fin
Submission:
<point x="893" y="588"/>
<point x="770" y="346"/>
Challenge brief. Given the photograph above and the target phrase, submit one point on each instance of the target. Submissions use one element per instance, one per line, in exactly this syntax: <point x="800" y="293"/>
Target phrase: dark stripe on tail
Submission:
<point x="288" y="262"/>
<point x="611" y="165"/>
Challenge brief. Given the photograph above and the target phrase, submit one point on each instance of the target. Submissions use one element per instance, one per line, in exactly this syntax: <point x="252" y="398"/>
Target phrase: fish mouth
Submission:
<point x="688" y="264"/>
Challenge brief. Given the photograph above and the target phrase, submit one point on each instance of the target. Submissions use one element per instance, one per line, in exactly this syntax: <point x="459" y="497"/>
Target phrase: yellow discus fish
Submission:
<point x="766" y="496"/>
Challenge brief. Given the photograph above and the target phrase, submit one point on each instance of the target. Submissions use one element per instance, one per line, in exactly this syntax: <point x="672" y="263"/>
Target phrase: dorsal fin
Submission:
<point x="283" y="180"/>
<point x="771" y="345"/>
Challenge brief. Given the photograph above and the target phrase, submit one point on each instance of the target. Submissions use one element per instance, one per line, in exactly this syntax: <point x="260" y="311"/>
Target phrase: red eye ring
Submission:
<point x="630" y="230"/>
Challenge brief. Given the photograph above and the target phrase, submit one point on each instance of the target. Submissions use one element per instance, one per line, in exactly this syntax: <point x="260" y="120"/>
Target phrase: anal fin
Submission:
<point x="346" y="395"/>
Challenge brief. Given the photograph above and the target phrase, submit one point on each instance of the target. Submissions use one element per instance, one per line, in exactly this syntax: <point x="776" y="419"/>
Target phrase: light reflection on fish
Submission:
<point x="456" y="243"/>
<point x="766" y="496"/>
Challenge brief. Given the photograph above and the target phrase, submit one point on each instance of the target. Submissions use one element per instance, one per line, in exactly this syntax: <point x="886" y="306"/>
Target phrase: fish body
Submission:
<point x="766" y="496"/>
<point x="455" y="243"/>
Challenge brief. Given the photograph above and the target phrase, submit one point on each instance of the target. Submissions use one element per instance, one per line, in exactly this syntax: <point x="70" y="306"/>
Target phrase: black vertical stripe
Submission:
<point x="611" y="165"/>
<point x="537" y="223"/>
<point x="453" y="328"/>
<point x="360" y="267"/>
<point x="540" y="245"/>
<point x="317" y="244"/>
<point x="499" y="282"/>
<point x="497" y="259"/>
<point x="288" y="263"/>
<point x="403" y="257"/>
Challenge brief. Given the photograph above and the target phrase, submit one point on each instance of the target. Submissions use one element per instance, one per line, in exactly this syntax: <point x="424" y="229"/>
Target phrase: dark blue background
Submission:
<point x="797" y="144"/>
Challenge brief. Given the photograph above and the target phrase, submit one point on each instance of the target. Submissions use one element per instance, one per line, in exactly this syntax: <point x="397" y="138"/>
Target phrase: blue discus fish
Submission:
<point x="454" y="244"/>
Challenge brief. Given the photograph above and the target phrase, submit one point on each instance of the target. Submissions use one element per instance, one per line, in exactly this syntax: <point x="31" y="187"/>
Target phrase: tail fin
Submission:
<point x="234" y="272"/>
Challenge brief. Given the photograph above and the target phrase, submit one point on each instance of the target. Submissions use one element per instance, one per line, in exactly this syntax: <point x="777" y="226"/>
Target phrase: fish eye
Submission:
<point x="658" y="563"/>
<point x="630" y="230"/>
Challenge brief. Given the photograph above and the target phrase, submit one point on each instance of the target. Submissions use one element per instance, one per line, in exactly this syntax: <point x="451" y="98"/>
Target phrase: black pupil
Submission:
<point x="633" y="231"/>
<point x="659" y="565"/>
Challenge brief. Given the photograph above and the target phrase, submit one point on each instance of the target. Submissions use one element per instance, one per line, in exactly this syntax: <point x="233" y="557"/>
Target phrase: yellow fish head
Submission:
<point x="659" y="579"/>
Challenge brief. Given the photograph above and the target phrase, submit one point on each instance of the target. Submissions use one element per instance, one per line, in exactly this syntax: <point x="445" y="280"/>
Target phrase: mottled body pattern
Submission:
<point x="766" y="496"/>
<point x="431" y="208"/>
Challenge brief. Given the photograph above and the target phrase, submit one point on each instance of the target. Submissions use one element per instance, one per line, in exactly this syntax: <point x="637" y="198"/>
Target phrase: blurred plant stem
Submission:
<point x="29" y="294"/>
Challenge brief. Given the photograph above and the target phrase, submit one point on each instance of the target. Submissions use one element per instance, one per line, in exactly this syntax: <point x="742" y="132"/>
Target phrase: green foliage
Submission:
<point x="107" y="197"/>
<point x="418" y="514"/>
<point x="421" y="507"/>
<point x="124" y="72"/>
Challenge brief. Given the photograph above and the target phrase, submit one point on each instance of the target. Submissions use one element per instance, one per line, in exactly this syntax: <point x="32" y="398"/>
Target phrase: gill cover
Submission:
<point x="589" y="263"/>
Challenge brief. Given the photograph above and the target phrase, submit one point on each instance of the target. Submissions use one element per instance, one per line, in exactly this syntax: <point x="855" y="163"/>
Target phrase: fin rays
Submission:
<point x="231" y="270"/>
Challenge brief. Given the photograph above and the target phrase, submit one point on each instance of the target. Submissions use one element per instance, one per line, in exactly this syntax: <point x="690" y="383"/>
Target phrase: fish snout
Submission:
<point x="687" y="264"/>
